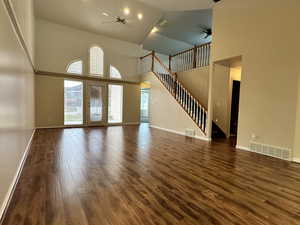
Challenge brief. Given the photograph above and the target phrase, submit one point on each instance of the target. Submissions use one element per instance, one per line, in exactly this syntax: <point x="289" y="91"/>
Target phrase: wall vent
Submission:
<point x="273" y="151"/>
<point x="190" y="132"/>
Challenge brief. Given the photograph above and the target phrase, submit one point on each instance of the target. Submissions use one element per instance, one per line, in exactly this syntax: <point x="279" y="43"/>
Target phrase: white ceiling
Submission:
<point x="179" y="5"/>
<point x="87" y="15"/>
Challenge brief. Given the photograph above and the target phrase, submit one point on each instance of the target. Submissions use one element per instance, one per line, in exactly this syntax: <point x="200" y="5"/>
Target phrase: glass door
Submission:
<point x="95" y="103"/>
<point x="115" y="103"/>
<point x="73" y="102"/>
<point x="145" y="105"/>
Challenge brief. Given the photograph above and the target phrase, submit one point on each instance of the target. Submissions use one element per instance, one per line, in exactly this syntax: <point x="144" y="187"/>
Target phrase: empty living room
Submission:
<point x="135" y="112"/>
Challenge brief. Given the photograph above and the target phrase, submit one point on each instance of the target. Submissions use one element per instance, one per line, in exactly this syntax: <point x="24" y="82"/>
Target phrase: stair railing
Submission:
<point x="188" y="102"/>
<point x="191" y="58"/>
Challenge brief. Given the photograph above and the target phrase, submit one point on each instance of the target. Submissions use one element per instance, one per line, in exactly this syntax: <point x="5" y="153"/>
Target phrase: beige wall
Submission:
<point x="24" y="12"/>
<point x="270" y="65"/>
<point x="221" y="97"/>
<point x="58" y="45"/>
<point x="236" y="73"/>
<point x="50" y="101"/>
<point x="297" y="128"/>
<point x="16" y="100"/>
<point x="165" y="112"/>
<point x="196" y="81"/>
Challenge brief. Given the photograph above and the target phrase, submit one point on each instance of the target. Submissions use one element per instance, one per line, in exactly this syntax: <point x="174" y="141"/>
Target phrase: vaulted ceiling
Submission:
<point x="182" y="29"/>
<point x="179" y="5"/>
<point x="88" y="15"/>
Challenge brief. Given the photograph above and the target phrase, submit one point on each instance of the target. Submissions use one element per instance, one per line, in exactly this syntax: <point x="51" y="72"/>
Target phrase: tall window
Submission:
<point x="96" y="61"/>
<point x="115" y="103"/>
<point x="114" y="73"/>
<point x="75" y="67"/>
<point x="73" y="103"/>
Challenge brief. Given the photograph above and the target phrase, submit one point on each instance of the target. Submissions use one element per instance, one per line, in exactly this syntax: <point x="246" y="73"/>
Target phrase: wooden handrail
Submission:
<point x="146" y="56"/>
<point x="174" y="74"/>
<point x="184" y="108"/>
<point x="191" y="105"/>
<point x="191" y="49"/>
<point x="164" y="66"/>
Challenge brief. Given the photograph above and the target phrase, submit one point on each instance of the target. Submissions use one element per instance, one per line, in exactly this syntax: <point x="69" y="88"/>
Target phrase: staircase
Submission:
<point x="191" y="105"/>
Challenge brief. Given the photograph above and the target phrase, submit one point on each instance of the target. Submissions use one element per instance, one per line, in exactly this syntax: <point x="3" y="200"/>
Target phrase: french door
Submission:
<point x="96" y="111"/>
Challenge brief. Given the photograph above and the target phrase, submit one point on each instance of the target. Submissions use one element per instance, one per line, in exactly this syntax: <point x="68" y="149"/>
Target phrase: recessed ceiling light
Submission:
<point x="126" y="11"/>
<point x="140" y="16"/>
<point x="105" y="14"/>
<point x="154" y="30"/>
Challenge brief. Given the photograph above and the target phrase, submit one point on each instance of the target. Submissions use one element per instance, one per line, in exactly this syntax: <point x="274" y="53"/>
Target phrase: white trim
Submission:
<point x="296" y="160"/>
<point x="123" y="124"/>
<point x="203" y="138"/>
<point x="243" y="148"/>
<point x="73" y="61"/>
<point x="132" y="123"/>
<point x="13" y="185"/>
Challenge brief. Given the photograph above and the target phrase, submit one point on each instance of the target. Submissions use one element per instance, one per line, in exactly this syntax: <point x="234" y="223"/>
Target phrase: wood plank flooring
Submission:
<point x="140" y="176"/>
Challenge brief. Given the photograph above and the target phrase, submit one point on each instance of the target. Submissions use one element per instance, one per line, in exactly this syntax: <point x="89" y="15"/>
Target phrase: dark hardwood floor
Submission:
<point x="140" y="176"/>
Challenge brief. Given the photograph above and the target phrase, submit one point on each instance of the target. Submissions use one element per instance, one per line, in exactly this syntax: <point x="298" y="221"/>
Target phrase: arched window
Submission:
<point x="96" y="60"/>
<point x="114" y="73"/>
<point x="75" y="67"/>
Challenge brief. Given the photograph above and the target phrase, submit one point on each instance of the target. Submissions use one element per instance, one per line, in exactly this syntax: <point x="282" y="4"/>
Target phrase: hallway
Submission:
<point x="136" y="175"/>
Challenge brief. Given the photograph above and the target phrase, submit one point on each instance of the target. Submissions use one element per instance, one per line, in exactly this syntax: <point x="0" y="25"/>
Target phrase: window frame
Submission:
<point x="83" y="102"/>
<point x="121" y="106"/>
<point x="114" y="78"/>
<point x="89" y="62"/>
<point x="74" y="61"/>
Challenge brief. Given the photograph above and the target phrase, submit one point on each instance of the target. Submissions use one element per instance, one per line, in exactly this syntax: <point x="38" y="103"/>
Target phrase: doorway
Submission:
<point x="235" y="100"/>
<point x="84" y="103"/>
<point x="226" y="87"/>
<point x="145" y="100"/>
<point x="95" y="103"/>
<point x="73" y="102"/>
<point x="115" y="103"/>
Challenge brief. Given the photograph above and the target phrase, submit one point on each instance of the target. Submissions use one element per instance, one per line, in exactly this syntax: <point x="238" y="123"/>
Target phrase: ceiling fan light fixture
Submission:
<point x="126" y="11"/>
<point x="154" y="30"/>
<point x="140" y="16"/>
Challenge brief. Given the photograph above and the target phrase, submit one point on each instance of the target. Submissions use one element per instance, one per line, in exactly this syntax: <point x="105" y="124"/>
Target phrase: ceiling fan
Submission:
<point x="206" y="31"/>
<point x="115" y="19"/>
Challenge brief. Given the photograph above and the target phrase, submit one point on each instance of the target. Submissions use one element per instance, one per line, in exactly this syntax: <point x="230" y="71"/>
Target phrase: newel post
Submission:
<point x="170" y="62"/>
<point x="152" y="66"/>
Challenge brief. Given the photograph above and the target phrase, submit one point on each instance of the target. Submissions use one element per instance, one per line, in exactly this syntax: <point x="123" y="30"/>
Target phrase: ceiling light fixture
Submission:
<point x="105" y="14"/>
<point x="126" y="11"/>
<point x="140" y="16"/>
<point x="154" y="30"/>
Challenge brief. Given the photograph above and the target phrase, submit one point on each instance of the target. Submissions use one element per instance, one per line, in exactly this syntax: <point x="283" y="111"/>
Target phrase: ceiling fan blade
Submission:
<point x="106" y="14"/>
<point x="106" y="22"/>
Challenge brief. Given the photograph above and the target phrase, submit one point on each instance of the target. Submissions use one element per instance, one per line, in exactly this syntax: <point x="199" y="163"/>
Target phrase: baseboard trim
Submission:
<point x="13" y="185"/>
<point x="123" y="124"/>
<point x="180" y="133"/>
<point x="83" y="126"/>
<point x="243" y="148"/>
<point x="296" y="160"/>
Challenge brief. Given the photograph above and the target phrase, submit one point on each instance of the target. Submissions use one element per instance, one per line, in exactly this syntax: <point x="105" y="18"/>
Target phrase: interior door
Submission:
<point x="96" y="105"/>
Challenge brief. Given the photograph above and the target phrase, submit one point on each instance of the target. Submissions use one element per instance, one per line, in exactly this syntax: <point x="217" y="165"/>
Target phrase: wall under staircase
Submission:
<point x="166" y="113"/>
<point x="181" y="112"/>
